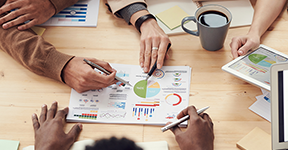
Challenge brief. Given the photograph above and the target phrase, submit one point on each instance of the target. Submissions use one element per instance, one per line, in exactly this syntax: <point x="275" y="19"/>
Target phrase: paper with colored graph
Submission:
<point x="83" y="13"/>
<point x="155" y="101"/>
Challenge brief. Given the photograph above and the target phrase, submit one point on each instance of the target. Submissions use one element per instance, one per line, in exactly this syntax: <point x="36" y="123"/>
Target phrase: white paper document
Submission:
<point x="83" y="13"/>
<point x="262" y="106"/>
<point x="155" y="101"/>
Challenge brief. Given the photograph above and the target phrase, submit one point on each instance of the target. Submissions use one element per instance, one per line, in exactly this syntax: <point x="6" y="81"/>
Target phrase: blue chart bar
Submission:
<point x="66" y="16"/>
<point x="75" y="8"/>
<point x="68" y="12"/>
<point x="79" y="20"/>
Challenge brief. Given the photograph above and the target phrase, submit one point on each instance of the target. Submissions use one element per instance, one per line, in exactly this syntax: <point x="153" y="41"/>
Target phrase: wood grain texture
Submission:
<point x="22" y="92"/>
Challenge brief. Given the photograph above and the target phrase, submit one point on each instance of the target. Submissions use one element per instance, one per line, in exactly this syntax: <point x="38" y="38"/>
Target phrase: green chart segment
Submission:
<point x="256" y="58"/>
<point x="146" y="89"/>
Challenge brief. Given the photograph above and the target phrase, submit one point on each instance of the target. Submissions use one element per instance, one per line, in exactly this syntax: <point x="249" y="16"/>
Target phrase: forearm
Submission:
<point x="33" y="52"/>
<point x="265" y="12"/>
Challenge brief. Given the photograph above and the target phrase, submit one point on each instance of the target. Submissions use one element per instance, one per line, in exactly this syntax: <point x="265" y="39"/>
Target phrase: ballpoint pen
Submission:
<point x="171" y="125"/>
<point x="154" y="67"/>
<point x="107" y="72"/>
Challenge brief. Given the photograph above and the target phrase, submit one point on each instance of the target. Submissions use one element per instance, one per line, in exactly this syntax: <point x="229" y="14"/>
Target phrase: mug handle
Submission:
<point x="185" y="29"/>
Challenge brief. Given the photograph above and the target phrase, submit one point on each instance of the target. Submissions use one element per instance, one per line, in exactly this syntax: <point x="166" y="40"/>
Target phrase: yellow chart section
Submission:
<point x="154" y="85"/>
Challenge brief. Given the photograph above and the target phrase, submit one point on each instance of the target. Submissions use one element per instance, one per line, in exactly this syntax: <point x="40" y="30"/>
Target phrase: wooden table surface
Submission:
<point x="22" y="92"/>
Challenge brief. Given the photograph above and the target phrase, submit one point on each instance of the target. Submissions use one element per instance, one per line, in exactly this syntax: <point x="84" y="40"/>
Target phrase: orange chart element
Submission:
<point x="173" y="99"/>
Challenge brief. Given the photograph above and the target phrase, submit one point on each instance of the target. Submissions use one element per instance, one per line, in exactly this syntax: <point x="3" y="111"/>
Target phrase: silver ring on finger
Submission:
<point x="155" y="48"/>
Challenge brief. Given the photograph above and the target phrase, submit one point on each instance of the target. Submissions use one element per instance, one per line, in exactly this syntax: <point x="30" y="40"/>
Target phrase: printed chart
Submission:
<point x="146" y="89"/>
<point x="173" y="99"/>
<point x="156" y="101"/>
<point x="83" y="13"/>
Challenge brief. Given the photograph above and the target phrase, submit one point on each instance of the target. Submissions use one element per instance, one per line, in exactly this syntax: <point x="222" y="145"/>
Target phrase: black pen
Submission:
<point x="107" y="72"/>
<point x="154" y="67"/>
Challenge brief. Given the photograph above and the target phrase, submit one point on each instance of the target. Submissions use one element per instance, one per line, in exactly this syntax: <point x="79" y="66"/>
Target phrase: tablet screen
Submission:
<point x="283" y="105"/>
<point x="257" y="64"/>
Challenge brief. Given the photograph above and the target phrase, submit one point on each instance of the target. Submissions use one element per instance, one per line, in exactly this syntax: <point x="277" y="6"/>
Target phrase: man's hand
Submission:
<point x="199" y="134"/>
<point x="152" y="36"/>
<point x="242" y="44"/>
<point x="49" y="134"/>
<point x="37" y="11"/>
<point x="82" y="77"/>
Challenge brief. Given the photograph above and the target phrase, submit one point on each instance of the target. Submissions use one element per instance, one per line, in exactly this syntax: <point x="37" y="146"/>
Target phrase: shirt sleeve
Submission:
<point x="116" y="5"/>
<point x="61" y="4"/>
<point x="129" y="10"/>
<point x="33" y="52"/>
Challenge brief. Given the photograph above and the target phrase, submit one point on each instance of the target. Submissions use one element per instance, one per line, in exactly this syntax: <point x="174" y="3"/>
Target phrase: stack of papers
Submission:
<point x="262" y="106"/>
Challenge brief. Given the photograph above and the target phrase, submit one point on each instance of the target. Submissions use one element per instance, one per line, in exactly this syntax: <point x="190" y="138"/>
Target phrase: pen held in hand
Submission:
<point x="173" y="124"/>
<point x="105" y="71"/>
<point x="154" y="67"/>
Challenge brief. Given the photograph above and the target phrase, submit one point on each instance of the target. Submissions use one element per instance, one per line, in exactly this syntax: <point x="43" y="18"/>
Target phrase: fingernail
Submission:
<point x="240" y="52"/>
<point x="33" y="115"/>
<point x="5" y="26"/>
<point x="158" y="66"/>
<point x="80" y="126"/>
<point x="141" y="65"/>
<point x="54" y="102"/>
<point x="20" y="28"/>
<point x="43" y="105"/>
<point x="146" y="69"/>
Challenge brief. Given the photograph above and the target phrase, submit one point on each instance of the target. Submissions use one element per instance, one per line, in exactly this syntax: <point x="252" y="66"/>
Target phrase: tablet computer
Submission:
<point x="279" y="106"/>
<point x="254" y="67"/>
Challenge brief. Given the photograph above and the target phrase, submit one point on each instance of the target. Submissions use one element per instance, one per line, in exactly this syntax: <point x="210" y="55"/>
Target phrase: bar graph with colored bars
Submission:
<point x="86" y="116"/>
<point x="83" y="13"/>
<point x="144" y="113"/>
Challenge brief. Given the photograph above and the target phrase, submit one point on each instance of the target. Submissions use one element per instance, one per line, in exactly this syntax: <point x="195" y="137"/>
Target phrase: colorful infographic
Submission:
<point x="146" y="89"/>
<point x="257" y="64"/>
<point x="156" y="101"/>
<point x="83" y="13"/>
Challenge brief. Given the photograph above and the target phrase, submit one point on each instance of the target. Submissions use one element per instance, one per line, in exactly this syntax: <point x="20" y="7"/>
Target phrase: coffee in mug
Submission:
<point x="213" y="19"/>
<point x="213" y="22"/>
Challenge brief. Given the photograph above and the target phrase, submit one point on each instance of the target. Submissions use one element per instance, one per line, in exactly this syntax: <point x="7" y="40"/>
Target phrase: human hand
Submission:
<point x="37" y="11"/>
<point x="48" y="130"/>
<point x="82" y="77"/>
<point x="152" y="36"/>
<point x="199" y="134"/>
<point x="240" y="45"/>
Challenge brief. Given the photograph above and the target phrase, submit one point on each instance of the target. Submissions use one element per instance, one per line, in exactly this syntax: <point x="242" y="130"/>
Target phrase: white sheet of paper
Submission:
<point x="241" y="10"/>
<point x="164" y="96"/>
<point x="83" y="13"/>
<point x="262" y="106"/>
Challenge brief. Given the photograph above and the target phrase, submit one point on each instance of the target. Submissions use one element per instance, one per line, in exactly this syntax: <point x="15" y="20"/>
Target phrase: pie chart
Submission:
<point x="173" y="99"/>
<point x="146" y="89"/>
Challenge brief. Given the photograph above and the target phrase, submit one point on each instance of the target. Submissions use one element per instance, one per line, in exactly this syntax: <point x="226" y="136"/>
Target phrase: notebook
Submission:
<point x="241" y="10"/>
